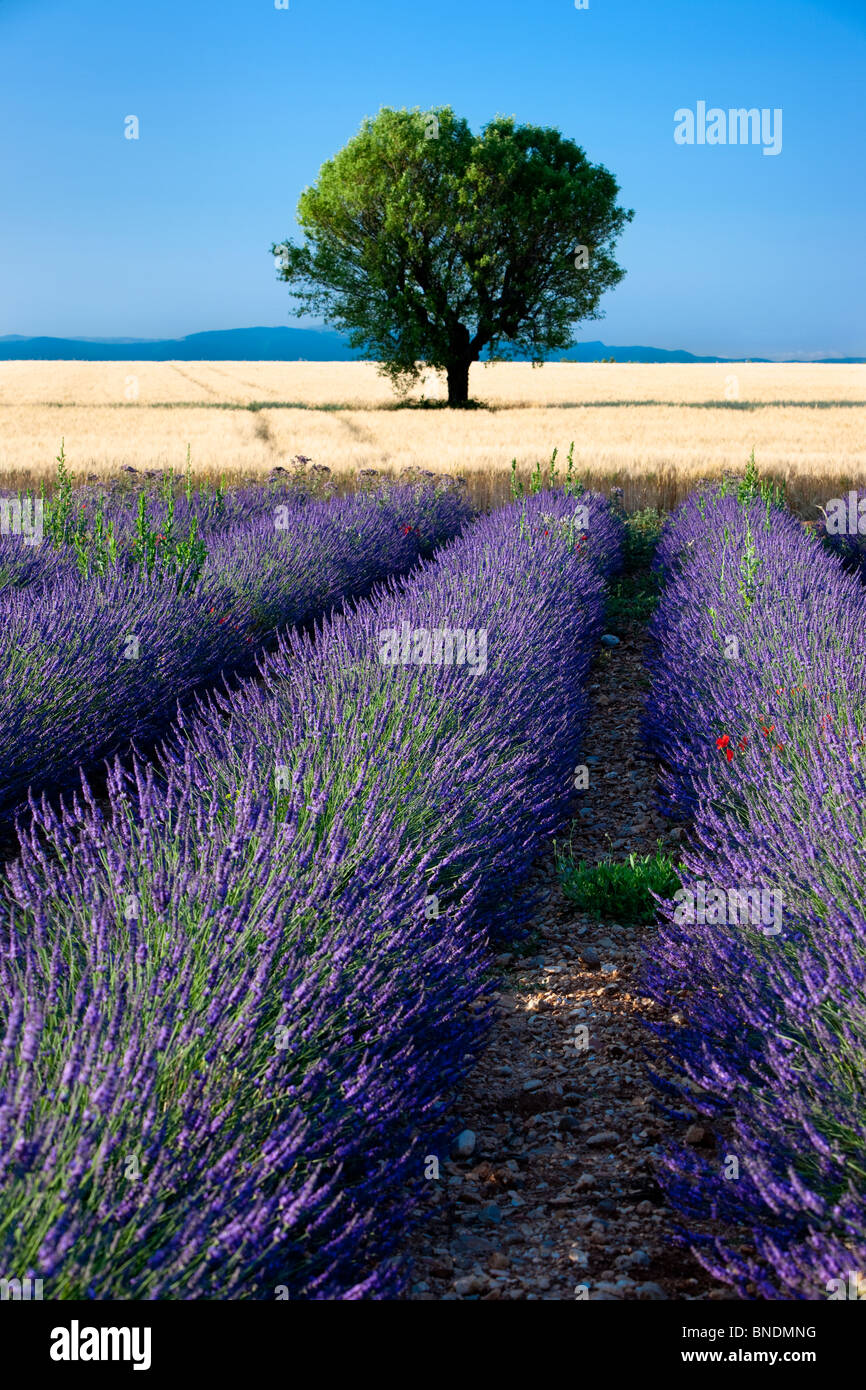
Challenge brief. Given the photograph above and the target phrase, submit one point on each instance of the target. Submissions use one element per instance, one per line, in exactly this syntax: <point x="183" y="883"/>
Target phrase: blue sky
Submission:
<point x="731" y="251"/>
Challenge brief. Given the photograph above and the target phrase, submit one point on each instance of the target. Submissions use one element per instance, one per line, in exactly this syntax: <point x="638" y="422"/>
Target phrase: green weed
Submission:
<point x="619" y="889"/>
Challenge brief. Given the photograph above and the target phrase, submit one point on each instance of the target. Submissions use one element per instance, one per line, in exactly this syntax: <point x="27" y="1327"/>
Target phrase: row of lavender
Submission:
<point x="43" y="538"/>
<point x="237" y="1003"/>
<point x="842" y="528"/>
<point x="758" y="714"/>
<point x="88" y="664"/>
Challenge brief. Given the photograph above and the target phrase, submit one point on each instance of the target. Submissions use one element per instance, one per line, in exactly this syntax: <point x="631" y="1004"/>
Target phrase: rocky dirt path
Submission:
<point x="550" y="1192"/>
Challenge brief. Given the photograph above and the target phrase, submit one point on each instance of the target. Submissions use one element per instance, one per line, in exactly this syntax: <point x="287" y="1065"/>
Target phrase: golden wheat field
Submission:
<point x="654" y="430"/>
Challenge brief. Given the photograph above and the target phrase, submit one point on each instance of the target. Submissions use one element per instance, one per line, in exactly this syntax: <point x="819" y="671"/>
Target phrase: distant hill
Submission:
<point x="286" y="345"/>
<point x="593" y="352"/>
<point x="226" y="345"/>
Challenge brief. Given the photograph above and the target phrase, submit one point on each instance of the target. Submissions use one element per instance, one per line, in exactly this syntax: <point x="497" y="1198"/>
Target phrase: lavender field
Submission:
<point x="282" y="770"/>
<point x="763" y="750"/>
<point x="432" y="686"/>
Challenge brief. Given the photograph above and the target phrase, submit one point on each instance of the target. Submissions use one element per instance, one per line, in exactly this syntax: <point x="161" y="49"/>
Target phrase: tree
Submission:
<point x="427" y="244"/>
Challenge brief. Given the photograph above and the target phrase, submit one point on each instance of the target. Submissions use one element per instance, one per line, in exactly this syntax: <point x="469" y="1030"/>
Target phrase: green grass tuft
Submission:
<point x="619" y="889"/>
<point x="634" y="594"/>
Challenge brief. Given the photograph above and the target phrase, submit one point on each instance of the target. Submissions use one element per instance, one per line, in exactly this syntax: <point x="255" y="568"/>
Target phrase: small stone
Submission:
<point x="490" y="1212"/>
<point x="608" y="640"/>
<point x="469" y="1284"/>
<point x="464" y="1144"/>
<point x="694" y="1135"/>
<point x="578" y="1257"/>
<point x="590" y="957"/>
<point x="604" y="1139"/>
<point x="498" y="1260"/>
<point x="654" y="1292"/>
<point x="532" y="1084"/>
<point x="469" y="1244"/>
<point x="636" y="1259"/>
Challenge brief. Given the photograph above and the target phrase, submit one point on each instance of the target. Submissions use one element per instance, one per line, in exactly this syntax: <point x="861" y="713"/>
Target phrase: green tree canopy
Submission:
<point x="427" y="244"/>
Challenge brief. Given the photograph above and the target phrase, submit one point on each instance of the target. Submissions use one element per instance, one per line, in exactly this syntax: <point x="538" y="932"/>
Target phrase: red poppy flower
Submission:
<point x="729" y="754"/>
<point x="723" y="741"/>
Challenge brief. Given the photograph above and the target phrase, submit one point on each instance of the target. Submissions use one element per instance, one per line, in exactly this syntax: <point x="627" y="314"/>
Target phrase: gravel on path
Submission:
<point x="549" y="1192"/>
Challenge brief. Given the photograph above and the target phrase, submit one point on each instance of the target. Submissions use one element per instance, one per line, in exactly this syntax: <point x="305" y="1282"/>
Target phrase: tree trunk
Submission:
<point x="458" y="382"/>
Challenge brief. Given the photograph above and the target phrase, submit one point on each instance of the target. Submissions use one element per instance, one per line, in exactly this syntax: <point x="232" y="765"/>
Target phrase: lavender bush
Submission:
<point x="237" y="1001"/>
<point x="842" y="528"/>
<point x="88" y="664"/>
<point x="757" y="711"/>
<point x="24" y="566"/>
